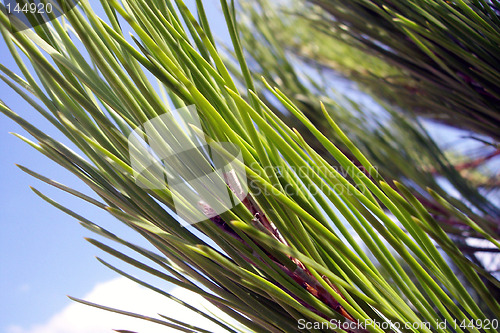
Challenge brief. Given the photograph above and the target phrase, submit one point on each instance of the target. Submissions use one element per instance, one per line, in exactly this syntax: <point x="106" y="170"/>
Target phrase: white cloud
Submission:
<point x="126" y="295"/>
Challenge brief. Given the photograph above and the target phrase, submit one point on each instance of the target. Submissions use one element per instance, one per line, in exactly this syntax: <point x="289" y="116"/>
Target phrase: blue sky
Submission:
<point x="43" y="256"/>
<point x="42" y="250"/>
